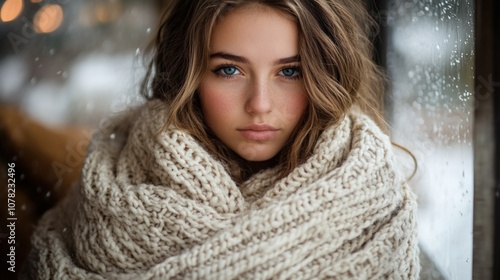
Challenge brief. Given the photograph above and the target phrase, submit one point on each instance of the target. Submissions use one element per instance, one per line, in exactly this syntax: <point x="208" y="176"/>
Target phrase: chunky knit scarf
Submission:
<point x="158" y="206"/>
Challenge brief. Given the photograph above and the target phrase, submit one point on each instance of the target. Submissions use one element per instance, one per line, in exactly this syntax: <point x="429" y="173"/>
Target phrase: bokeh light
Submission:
<point x="107" y="12"/>
<point x="11" y="9"/>
<point x="48" y="18"/>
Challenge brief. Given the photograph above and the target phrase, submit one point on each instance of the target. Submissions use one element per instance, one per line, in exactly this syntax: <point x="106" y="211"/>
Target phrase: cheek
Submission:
<point x="216" y="103"/>
<point x="299" y="105"/>
<point x="293" y="105"/>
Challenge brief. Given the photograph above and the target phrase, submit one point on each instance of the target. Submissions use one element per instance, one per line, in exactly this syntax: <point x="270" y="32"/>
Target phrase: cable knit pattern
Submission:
<point x="158" y="206"/>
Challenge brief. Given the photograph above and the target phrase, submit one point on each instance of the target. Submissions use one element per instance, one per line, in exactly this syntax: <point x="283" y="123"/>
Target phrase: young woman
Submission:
<point x="255" y="157"/>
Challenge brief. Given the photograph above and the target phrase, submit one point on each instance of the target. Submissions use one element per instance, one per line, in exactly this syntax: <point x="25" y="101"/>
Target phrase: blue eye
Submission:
<point x="229" y="70"/>
<point x="226" y="71"/>
<point x="291" y="72"/>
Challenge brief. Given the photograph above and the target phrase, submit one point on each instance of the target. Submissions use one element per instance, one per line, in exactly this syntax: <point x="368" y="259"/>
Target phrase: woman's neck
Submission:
<point x="256" y="166"/>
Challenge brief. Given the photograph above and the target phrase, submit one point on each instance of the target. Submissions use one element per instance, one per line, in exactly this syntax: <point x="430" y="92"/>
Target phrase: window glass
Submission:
<point x="430" y="63"/>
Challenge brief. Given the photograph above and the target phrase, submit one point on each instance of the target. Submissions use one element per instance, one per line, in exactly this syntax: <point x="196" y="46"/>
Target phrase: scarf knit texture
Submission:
<point x="159" y="206"/>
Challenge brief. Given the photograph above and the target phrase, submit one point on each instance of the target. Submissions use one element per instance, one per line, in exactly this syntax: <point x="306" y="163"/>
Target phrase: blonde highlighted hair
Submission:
<point x="336" y="61"/>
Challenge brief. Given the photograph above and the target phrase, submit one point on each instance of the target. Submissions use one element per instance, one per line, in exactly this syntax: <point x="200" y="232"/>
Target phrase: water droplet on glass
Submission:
<point x="65" y="229"/>
<point x="148" y="30"/>
<point x="52" y="52"/>
<point x="23" y="207"/>
<point x="37" y="58"/>
<point x="112" y="136"/>
<point x="48" y="194"/>
<point x="137" y="51"/>
<point x="59" y="72"/>
<point x="33" y="81"/>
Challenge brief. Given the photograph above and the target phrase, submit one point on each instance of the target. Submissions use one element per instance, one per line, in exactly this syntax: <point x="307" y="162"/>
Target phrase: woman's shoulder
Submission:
<point x="355" y="128"/>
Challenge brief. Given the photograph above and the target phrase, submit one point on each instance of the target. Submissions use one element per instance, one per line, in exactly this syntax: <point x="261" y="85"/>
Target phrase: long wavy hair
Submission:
<point x="336" y="61"/>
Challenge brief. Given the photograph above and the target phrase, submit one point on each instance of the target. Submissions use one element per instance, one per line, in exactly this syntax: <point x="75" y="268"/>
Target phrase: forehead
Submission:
<point x="249" y="28"/>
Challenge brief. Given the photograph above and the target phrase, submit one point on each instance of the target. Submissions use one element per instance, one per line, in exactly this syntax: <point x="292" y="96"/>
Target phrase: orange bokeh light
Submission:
<point x="48" y="18"/>
<point x="11" y="9"/>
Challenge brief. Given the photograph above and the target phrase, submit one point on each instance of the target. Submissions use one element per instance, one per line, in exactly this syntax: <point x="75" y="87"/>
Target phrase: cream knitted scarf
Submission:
<point x="158" y="206"/>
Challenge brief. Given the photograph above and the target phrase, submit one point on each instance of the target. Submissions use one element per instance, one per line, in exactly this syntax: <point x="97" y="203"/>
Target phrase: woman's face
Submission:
<point x="252" y="94"/>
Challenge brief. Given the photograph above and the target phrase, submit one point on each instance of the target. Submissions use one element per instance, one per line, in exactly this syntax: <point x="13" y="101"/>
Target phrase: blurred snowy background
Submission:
<point x="74" y="62"/>
<point x="71" y="61"/>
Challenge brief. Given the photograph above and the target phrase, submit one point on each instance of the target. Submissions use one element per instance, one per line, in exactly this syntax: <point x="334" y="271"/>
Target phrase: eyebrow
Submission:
<point x="242" y="59"/>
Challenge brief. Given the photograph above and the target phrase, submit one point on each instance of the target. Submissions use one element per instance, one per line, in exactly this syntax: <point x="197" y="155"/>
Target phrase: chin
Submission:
<point x="255" y="152"/>
<point x="255" y="155"/>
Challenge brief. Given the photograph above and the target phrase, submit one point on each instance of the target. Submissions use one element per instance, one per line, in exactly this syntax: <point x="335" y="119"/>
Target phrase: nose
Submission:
<point x="259" y="99"/>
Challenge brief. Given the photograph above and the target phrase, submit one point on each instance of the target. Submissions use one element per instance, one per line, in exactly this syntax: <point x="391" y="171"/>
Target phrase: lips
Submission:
<point x="258" y="132"/>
